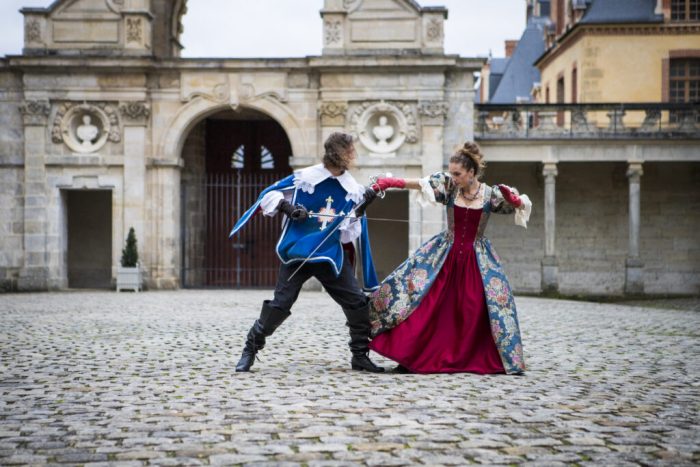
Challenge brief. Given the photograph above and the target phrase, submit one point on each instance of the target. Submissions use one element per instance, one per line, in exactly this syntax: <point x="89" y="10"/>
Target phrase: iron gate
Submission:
<point x="210" y="258"/>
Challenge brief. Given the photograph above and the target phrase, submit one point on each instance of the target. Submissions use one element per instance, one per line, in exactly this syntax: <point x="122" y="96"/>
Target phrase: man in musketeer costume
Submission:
<point x="324" y="208"/>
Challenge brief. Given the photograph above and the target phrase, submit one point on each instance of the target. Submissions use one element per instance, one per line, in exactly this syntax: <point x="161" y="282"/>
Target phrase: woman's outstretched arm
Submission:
<point x="393" y="182"/>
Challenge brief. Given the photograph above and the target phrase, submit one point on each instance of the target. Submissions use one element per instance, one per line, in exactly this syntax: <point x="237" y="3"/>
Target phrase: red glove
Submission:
<point x="389" y="182"/>
<point x="512" y="199"/>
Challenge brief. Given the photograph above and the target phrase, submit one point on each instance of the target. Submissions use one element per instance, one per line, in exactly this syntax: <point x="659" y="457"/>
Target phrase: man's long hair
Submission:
<point x="336" y="146"/>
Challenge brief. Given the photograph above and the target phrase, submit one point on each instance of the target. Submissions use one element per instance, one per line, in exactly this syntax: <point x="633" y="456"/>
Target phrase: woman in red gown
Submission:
<point x="448" y="308"/>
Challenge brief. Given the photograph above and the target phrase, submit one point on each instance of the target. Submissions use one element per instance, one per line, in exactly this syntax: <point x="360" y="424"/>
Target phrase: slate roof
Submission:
<point x="621" y="11"/>
<point x="498" y="67"/>
<point x="520" y="73"/>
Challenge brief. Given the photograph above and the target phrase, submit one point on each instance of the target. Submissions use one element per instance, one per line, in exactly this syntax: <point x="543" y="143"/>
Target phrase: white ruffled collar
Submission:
<point x="306" y="179"/>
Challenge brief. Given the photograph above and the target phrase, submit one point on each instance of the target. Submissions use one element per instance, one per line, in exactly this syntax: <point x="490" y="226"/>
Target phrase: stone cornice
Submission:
<point x="390" y="61"/>
<point x="316" y="63"/>
<point x="570" y="38"/>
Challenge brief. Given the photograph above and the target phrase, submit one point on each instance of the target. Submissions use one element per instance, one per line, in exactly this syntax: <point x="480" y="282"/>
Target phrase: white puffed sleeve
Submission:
<point x="434" y="189"/>
<point x="270" y="201"/>
<point x="350" y="229"/>
<point x="427" y="194"/>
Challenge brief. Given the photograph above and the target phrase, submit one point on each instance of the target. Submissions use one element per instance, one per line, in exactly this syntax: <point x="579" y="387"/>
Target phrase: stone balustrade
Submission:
<point x="587" y="121"/>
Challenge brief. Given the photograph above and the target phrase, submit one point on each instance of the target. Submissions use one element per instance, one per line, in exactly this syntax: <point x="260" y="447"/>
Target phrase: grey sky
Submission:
<point x="292" y="28"/>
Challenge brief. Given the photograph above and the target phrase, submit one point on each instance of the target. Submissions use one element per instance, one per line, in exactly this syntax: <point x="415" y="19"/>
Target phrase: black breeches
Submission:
<point x="344" y="288"/>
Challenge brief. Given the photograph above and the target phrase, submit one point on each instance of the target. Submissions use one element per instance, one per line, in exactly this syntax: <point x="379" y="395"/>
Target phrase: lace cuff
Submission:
<point x="350" y="229"/>
<point x="522" y="214"/>
<point x="427" y="193"/>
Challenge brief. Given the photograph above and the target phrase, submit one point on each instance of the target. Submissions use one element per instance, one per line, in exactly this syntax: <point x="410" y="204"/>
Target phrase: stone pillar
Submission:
<point x="634" y="268"/>
<point x="135" y="117"/>
<point x="34" y="274"/>
<point x="428" y="221"/>
<point x="164" y="247"/>
<point x="550" y="267"/>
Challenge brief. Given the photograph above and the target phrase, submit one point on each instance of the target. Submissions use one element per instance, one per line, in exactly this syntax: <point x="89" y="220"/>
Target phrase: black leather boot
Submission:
<point x="270" y="319"/>
<point x="401" y="370"/>
<point x="358" y="322"/>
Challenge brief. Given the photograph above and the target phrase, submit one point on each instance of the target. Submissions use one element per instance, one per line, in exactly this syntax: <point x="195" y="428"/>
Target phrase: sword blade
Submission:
<point x="319" y="245"/>
<point x="382" y="219"/>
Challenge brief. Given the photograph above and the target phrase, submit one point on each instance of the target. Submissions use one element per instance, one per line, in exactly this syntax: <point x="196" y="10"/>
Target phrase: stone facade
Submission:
<point x="92" y="110"/>
<point x="100" y="101"/>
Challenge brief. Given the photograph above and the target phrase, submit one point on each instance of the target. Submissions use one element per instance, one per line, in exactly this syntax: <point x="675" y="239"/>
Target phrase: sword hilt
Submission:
<point x="373" y="179"/>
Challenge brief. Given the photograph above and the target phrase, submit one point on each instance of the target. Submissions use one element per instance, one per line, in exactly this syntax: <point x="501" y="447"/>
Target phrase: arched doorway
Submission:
<point x="229" y="158"/>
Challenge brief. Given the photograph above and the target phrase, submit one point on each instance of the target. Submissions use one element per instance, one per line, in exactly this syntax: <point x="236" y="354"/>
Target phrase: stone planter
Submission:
<point x="128" y="278"/>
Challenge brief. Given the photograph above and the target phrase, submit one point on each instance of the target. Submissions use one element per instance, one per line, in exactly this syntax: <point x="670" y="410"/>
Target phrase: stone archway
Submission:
<point x="199" y="108"/>
<point x="228" y="157"/>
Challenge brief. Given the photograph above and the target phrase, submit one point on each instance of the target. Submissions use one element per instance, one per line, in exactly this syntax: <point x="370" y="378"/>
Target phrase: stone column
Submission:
<point x="34" y="274"/>
<point x="634" y="267"/>
<point x="550" y="267"/>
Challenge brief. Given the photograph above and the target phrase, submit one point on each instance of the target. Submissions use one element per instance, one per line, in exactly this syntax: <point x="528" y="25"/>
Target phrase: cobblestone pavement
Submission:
<point x="100" y="378"/>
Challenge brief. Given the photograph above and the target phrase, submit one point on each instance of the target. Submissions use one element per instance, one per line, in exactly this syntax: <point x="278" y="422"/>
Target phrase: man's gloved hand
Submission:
<point x="370" y="195"/>
<point x="389" y="182"/>
<point x="510" y="196"/>
<point x="295" y="213"/>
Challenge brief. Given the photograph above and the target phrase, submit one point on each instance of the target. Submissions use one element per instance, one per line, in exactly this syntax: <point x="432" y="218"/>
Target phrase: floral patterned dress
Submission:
<point x="448" y="308"/>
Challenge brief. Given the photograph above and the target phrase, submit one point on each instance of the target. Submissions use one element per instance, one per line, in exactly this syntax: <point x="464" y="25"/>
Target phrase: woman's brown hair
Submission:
<point x="470" y="156"/>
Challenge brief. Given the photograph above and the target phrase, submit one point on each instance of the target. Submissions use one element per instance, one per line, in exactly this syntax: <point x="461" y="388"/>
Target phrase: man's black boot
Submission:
<point x="361" y="362"/>
<point x="270" y="319"/>
<point x="358" y="322"/>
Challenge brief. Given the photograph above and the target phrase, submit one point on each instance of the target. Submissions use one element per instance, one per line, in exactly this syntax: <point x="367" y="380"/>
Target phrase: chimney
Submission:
<point x="510" y="47"/>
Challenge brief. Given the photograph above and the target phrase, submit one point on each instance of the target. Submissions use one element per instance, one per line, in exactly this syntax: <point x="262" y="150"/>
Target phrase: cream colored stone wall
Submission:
<point x="615" y="68"/>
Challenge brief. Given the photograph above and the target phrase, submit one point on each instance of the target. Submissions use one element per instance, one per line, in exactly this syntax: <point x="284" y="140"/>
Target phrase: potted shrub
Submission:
<point x="129" y="273"/>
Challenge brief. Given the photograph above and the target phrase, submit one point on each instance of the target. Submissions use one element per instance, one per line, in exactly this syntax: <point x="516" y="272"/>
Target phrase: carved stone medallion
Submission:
<point x="383" y="127"/>
<point x="85" y="128"/>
